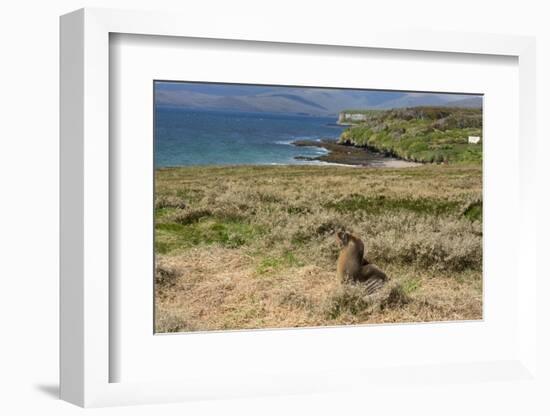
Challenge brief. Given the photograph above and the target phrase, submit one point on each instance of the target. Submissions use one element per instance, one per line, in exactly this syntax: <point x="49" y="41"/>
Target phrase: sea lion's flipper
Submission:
<point x="374" y="284"/>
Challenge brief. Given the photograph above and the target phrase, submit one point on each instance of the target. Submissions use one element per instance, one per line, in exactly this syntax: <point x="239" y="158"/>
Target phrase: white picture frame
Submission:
<point x="86" y="356"/>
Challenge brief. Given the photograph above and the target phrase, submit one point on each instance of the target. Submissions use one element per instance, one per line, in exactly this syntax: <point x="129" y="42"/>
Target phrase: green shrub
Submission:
<point x="347" y="299"/>
<point x="396" y="298"/>
<point x="190" y="217"/>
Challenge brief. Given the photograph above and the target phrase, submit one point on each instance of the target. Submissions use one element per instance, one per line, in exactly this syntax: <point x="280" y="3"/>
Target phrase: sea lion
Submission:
<point x="352" y="267"/>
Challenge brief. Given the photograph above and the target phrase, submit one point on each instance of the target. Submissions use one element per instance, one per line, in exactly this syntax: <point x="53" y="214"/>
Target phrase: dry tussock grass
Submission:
<point x="253" y="247"/>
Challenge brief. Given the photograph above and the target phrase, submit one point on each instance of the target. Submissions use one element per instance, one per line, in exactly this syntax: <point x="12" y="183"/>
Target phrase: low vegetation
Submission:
<point x="254" y="247"/>
<point x="420" y="134"/>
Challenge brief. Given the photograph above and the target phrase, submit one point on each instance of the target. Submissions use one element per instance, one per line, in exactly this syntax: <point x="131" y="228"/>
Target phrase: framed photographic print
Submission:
<point x="280" y="206"/>
<point x="287" y="213"/>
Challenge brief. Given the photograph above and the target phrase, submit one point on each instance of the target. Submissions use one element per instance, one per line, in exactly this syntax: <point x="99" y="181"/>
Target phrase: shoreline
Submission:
<point x="349" y="155"/>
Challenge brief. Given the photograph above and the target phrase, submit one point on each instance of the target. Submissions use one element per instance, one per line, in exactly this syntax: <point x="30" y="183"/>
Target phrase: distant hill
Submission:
<point x="312" y="101"/>
<point x="431" y="100"/>
<point x="472" y="102"/>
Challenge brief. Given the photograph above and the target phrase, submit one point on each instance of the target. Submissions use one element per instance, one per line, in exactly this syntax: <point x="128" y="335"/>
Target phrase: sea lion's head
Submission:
<point x="343" y="237"/>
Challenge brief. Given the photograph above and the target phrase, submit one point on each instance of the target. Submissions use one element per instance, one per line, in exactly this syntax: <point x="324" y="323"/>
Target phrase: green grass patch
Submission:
<point x="165" y="212"/>
<point x="274" y="263"/>
<point x="380" y="204"/>
<point x="173" y="236"/>
<point x="474" y="211"/>
<point x="411" y="285"/>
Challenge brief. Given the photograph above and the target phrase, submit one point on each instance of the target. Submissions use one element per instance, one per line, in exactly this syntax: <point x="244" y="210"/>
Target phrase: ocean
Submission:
<point x="193" y="137"/>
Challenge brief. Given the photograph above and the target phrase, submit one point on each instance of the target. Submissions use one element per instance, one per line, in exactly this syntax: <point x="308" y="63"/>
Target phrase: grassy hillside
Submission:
<point x="420" y="134"/>
<point x="254" y="247"/>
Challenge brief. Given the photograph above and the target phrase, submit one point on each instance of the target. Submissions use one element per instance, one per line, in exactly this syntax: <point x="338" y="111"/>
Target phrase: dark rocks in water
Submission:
<point x="345" y="154"/>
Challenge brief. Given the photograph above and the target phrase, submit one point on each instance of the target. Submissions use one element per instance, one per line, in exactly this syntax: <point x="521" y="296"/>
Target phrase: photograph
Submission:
<point x="282" y="206"/>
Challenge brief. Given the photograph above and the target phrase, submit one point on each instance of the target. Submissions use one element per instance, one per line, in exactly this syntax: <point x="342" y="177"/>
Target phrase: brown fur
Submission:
<point x="353" y="267"/>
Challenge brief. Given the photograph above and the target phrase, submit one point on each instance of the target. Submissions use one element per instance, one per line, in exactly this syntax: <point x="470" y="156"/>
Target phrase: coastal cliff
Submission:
<point x="418" y="134"/>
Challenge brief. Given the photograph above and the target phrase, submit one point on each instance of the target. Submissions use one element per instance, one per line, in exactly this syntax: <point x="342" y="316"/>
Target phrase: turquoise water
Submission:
<point x="190" y="137"/>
